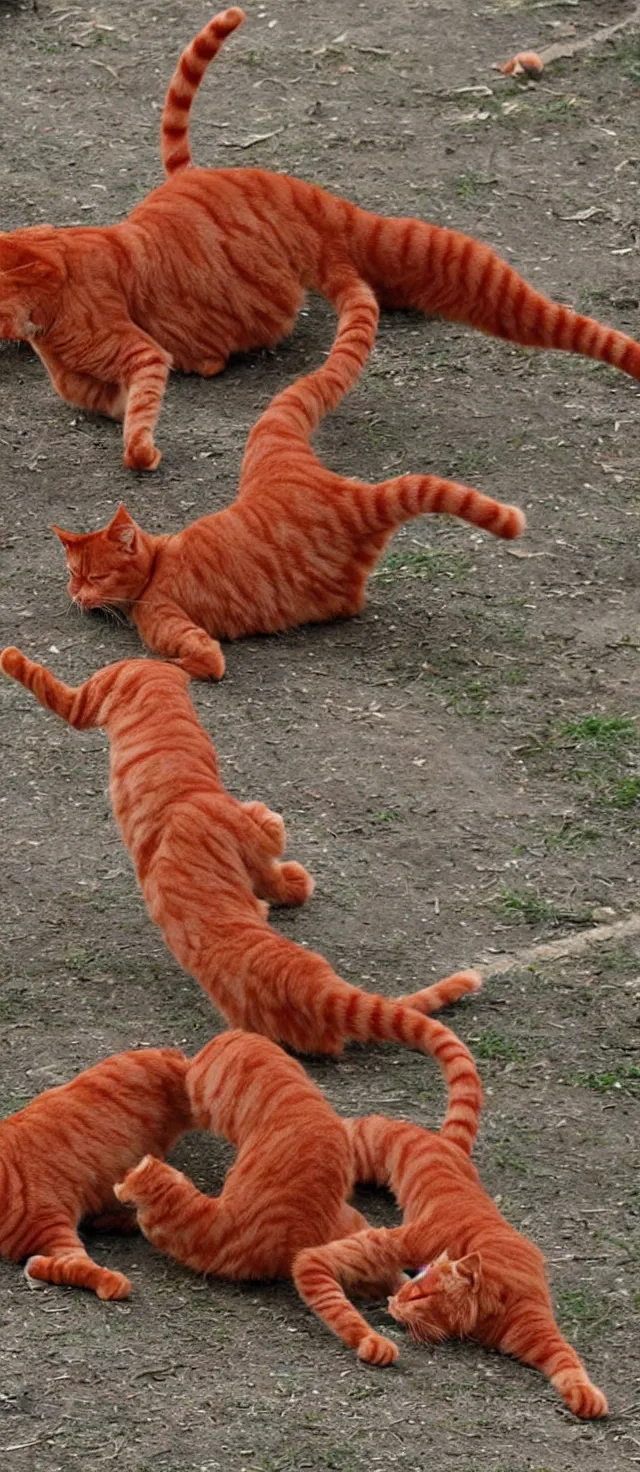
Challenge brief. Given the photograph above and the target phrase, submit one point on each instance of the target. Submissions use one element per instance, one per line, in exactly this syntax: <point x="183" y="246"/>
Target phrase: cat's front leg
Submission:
<point x="63" y="1259"/>
<point x="144" y="369"/>
<point x="167" y="631"/>
<point x="82" y="389"/>
<point x="264" y="836"/>
<point x="173" y="1215"/>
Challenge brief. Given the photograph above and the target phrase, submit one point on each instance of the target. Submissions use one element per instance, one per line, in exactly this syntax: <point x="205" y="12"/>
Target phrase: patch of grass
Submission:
<point x="530" y="907"/>
<point x="491" y="1044"/>
<point x="574" y="838"/>
<point x="508" y="1159"/>
<point x="579" y="1310"/>
<point x="626" y="792"/>
<point x="625" y="1076"/>
<point x="468" y="184"/>
<point x="606" y="732"/>
<point x="590" y="297"/>
<point x="389" y="817"/>
<point x="558" y="109"/>
<point x="422" y="562"/>
<point x="471" y="463"/>
<point x="627" y="57"/>
<point x="619" y="958"/>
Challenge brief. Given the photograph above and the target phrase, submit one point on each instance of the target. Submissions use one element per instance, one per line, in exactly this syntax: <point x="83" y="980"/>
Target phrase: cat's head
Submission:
<point x="110" y="567"/>
<point x="31" y="277"/>
<point x="443" y="1301"/>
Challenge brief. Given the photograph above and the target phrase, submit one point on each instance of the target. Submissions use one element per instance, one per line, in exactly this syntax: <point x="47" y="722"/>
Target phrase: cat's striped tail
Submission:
<point x="301" y="406"/>
<point x="193" y="63"/>
<point x="393" y="502"/>
<point x="375" y="1019"/>
<point x="78" y="706"/>
<point x="374" y="1137"/>
<point x="411" y="263"/>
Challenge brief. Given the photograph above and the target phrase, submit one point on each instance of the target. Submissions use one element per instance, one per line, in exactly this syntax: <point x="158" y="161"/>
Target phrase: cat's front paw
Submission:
<point x="374" y="1349"/>
<point x="204" y="664"/>
<point x="138" y="1180"/>
<point x="296" y="885"/>
<point x="141" y="454"/>
<point x="75" y="1270"/>
<point x="583" y="1398"/>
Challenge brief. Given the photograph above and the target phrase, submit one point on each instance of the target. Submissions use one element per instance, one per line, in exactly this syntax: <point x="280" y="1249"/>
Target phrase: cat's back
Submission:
<point x="160" y="754"/>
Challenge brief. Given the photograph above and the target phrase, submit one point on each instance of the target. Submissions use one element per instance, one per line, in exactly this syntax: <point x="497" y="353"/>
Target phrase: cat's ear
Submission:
<point x="68" y="539"/>
<point x="122" y="529"/>
<point x="470" y="1268"/>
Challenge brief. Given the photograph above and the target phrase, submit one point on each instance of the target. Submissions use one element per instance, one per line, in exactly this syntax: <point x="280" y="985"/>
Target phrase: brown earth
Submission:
<point x="458" y="767"/>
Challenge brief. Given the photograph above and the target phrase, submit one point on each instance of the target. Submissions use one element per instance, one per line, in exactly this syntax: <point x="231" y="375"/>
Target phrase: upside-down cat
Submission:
<point x="289" y="1185"/>
<point x="206" y="864"/>
<point x="479" y="1278"/>
<point x="61" y="1156"/>
<point x="216" y="262"/>
<point x="297" y="545"/>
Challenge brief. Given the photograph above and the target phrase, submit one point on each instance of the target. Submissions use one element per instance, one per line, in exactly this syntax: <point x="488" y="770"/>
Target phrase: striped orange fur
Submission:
<point x="61" y="1156"/>
<point x="296" y="546"/>
<point x="207" y="863"/>
<point x="479" y="1278"/>
<point x="216" y="261"/>
<point x="289" y="1185"/>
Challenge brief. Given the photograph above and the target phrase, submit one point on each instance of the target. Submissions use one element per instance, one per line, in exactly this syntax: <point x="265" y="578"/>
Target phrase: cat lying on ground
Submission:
<point x="216" y="261"/>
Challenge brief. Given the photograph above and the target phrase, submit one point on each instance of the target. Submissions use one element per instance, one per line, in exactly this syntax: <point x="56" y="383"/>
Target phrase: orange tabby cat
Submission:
<point x="61" y="1156"/>
<point x="202" y="859"/>
<point x="298" y="544"/>
<point x="483" y="1279"/>
<point x="288" y="1187"/>
<point x="216" y="262"/>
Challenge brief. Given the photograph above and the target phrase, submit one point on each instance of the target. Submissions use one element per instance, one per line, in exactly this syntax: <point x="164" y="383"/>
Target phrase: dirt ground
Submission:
<point x="459" y="768"/>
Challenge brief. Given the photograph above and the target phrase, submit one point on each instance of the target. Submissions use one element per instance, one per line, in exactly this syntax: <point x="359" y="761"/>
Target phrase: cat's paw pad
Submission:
<point x="141" y="454"/>
<point x="583" y="1398"/>
<point x="297" y="884"/>
<point x="374" y="1349"/>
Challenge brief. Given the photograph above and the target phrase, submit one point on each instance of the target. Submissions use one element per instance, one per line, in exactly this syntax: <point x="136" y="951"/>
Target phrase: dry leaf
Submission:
<point x="527" y="63"/>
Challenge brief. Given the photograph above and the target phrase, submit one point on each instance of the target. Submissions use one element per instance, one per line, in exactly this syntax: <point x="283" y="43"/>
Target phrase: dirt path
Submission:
<point x="459" y="768"/>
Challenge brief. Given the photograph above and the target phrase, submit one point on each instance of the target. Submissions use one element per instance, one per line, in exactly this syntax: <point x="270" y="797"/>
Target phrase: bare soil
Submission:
<point x="459" y="767"/>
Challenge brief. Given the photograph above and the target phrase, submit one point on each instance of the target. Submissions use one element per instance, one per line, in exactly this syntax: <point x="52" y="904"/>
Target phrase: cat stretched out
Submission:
<point x="289" y="1185"/>
<point x="216" y="261"/>
<point x="61" y="1156"/>
<point x="296" y="546"/>
<point x="207" y="863"/>
<point x="479" y="1278"/>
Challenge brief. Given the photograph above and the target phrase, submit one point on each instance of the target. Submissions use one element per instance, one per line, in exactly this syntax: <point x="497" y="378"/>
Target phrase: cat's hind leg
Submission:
<point x="63" y="1259"/>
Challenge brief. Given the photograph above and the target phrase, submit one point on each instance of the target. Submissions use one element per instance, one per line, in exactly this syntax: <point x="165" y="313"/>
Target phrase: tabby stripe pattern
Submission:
<point x="193" y="63"/>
